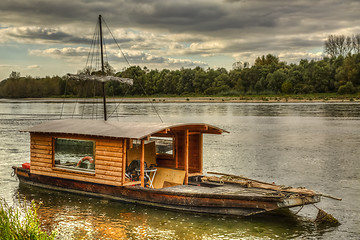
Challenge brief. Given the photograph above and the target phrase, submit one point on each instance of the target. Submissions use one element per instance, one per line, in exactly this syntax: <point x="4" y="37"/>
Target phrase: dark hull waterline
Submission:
<point x="186" y="198"/>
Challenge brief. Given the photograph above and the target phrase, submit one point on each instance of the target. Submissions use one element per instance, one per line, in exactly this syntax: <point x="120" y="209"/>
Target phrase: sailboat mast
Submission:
<point x="101" y="46"/>
<point x="102" y="67"/>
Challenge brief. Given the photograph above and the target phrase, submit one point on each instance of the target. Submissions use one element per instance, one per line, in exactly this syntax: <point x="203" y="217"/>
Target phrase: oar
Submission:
<point x="249" y="179"/>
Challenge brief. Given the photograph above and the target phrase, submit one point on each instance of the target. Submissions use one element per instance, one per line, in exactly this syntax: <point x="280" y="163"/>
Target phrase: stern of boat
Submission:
<point x="296" y="201"/>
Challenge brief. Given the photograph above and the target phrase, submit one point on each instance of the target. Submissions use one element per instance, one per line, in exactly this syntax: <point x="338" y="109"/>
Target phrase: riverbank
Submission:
<point x="316" y="98"/>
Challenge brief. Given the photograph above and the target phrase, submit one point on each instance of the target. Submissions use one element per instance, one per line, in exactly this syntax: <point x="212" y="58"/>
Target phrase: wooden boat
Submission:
<point x="178" y="181"/>
<point x="97" y="158"/>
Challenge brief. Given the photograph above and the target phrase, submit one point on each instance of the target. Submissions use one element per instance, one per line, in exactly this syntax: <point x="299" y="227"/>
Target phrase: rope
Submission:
<point x="107" y="60"/>
<point x="299" y="209"/>
<point x="83" y="106"/>
<point x="316" y="207"/>
<point x="92" y="44"/>
<point x="13" y="173"/>
<point x="136" y="77"/>
<point x="62" y="107"/>
<point x="117" y="43"/>
<point x="94" y="98"/>
<point x="116" y="107"/>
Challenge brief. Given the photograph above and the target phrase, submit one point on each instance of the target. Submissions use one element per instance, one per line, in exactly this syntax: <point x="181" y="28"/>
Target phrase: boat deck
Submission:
<point x="224" y="190"/>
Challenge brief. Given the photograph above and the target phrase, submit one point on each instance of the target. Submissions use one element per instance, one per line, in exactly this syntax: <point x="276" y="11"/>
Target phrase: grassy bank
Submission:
<point x="21" y="222"/>
<point x="316" y="97"/>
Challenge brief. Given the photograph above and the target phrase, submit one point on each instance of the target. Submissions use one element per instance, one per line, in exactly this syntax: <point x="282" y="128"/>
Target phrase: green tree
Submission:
<point x="348" y="88"/>
<point x="14" y="75"/>
<point x="276" y="80"/>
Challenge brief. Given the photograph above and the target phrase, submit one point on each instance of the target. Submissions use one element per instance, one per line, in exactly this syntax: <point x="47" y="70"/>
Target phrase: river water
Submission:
<point x="296" y="144"/>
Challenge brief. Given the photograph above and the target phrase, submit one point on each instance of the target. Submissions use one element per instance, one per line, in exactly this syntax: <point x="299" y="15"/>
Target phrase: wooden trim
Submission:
<point x="105" y="158"/>
<point x="195" y="174"/>
<point x="201" y="153"/>
<point x="108" y="163"/>
<point x="110" y="173"/>
<point x="142" y="161"/>
<point x="60" y="169"/>
<point x="78" y="177"/>
<point x="41" y="142"/>
<point x="41" y="151"/>
<point x="115" y="169"/>
<point x="109" y="154"/>
<point x="186" y="163"/>
<point x="176" y="151"/>
<point x="41" y="147"/>
<point x="123" y="162"/>
<point x="43" y="160"/>
<point x="107" y="148"/>
<point x="132" y="183"/>
<point x="46" y="156"/>
<point x="41" y="164"/>
<point x="130" y="143"/>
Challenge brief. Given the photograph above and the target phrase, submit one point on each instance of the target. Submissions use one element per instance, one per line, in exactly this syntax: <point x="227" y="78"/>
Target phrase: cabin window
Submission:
<point x="74" y="154"/>
<point x="164" y="146"/>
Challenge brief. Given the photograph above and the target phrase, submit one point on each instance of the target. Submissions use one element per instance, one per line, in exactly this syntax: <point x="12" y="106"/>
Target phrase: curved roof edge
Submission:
<point x="100" y="128"/>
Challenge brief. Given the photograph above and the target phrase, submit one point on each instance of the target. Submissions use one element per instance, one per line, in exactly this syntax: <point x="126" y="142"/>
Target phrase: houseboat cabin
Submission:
<point x="101" y="152"/>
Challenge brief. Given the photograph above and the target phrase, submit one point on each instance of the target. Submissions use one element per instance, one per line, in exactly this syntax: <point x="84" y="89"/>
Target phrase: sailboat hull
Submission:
<point x="185" y="198"/>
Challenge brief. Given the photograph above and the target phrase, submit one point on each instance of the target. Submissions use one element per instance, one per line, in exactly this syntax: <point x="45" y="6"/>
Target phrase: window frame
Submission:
<point x="161" y="154"/>
<point x="62" y="167"/>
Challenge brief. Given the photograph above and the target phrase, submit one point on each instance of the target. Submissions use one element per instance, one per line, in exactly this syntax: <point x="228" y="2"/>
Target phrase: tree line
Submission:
<point x="337" y="45"/>
<point x="338" y="73"/>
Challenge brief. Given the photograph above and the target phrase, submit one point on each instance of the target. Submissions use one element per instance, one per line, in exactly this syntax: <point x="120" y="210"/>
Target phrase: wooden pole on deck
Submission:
<point x="186" y="162"/>
<point x="142" y="163"/>
<point x="123" y="161"/>
<point x="201" y="153"/>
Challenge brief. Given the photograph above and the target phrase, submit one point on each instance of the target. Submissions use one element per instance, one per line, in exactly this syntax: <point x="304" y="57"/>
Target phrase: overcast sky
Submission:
<point x="53" y="37"/>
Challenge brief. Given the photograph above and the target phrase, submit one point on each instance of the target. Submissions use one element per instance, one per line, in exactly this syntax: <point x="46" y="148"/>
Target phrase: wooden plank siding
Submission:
<point x="108" y="156"/>
<point x="195" y="153"/>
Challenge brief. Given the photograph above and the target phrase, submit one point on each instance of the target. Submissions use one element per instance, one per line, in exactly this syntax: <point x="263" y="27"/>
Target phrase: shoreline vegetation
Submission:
<point x="333" y="78"/>
<point x="302" y="98"/>
<point x="267" y="80"/>
<point x="21" y="222"/>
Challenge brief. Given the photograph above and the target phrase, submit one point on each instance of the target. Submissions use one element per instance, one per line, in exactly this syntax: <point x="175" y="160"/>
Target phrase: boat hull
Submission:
<point x="205" y="203"/>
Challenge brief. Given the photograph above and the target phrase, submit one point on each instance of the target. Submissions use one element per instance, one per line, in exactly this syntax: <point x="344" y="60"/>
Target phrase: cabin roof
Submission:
<point x="101" y="128"/>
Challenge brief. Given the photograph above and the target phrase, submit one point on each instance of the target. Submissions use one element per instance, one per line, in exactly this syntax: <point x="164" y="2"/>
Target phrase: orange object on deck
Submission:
<point x="26" y="165"/>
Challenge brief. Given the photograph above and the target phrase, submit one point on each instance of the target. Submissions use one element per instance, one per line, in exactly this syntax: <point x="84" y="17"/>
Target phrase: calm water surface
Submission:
<point x="313" y="145"/>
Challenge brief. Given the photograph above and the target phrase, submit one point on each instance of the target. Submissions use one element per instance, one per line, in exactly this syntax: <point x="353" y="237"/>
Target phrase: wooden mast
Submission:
<point x="102" y="67"/>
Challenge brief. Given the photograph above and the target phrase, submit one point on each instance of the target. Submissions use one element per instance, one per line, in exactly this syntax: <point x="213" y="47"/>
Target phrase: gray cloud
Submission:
<point x="116" y="58"/>
<point x="181" y="28"/>
<point x="44" y="34"/>
<point x="190" y="16"/>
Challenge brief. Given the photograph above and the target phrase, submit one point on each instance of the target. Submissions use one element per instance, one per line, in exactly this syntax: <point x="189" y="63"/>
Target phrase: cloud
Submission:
<point x="6" y="66"/>
<point x="196" y="29"/>
<point x="196" y="16"/>
<point x="61" y="52"/>
<point x="154" y="61"/>
<point x="40" y="35"/>
<point x="33" y="67"/>
<point x="134" y="57"/>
